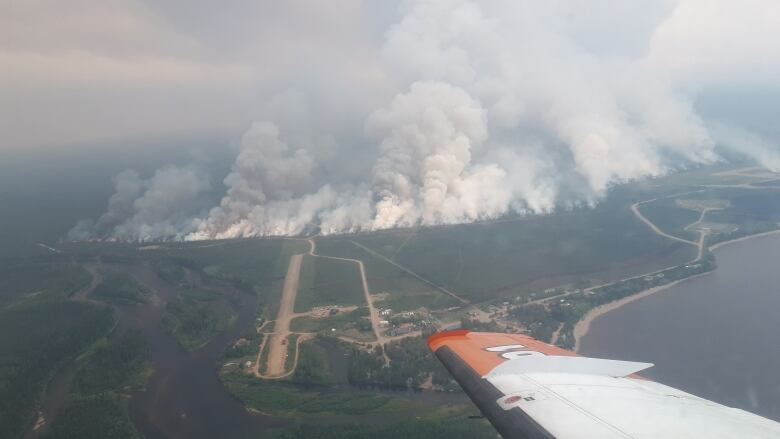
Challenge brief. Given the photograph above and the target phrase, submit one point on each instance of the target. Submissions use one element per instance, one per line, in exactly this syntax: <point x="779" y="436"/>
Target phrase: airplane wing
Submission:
<point x="529" y="389"/>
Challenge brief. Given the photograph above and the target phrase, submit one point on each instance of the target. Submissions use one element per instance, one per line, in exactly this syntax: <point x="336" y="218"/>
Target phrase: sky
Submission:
<point x="362" y="115"/>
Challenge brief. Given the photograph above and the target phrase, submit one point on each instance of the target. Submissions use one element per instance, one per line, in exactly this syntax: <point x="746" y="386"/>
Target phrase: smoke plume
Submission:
<point x="157" y="208"/>
<point x="500" y="109"/>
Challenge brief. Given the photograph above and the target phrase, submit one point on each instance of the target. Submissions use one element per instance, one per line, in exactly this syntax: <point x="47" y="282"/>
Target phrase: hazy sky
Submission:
<point x="90" y="70"/>
<point x="372" y="114"/>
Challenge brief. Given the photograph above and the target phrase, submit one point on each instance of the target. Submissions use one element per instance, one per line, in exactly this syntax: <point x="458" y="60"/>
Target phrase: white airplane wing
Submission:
<point x="529" y="389"/>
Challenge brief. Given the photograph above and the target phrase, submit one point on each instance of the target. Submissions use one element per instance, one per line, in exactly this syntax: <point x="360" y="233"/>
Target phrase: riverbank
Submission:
<point x="582" y="327"/>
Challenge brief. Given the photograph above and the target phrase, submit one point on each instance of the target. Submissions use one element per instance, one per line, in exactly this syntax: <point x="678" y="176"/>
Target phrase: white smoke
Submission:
<point x="501" y="109"/>
<point x="158" y="208"/>
<point x="426" y="137"/>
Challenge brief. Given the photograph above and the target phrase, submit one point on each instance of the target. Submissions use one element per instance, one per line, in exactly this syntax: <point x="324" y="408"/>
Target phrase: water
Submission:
<point x="715" y="336"/>
<point x="184" y="398"/>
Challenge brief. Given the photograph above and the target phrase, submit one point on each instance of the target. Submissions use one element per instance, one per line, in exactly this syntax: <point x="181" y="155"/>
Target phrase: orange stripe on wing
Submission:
<point x="472" y="347"/>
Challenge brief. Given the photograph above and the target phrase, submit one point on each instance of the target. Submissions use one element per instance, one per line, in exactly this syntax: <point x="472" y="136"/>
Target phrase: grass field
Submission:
<point x="403" y="291"/>
<point x="355" y="322"/>
<point x="671" y="218"/>
<point x="326" y="281"/>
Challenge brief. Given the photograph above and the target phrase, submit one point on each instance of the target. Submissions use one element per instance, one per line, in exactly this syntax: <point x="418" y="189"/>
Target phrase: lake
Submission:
<point x="715" y="336"/>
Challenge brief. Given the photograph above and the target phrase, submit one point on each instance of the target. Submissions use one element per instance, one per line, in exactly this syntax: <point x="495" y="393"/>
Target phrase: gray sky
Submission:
<point x="83" y="71"/>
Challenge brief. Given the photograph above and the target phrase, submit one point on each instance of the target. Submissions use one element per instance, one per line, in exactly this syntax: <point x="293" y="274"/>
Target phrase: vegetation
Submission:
<point x="353" y="320"/>
<point x="27" y="280"/>
<point x="172" y="271"/>
<point x="196" y="316"/>
<point x="312" y="365"/>
<point x="403" y="291"/>
<point x="542" y="320"/>
<point x="537" y="319"/>
<point x="292" y="343"/>
<point x="119" y="364"/>
<point x="411" y="364"/>
<point x="101" y="416"/>
<point x="459" y="427"/>
<point x="484" y="261"/>
<point x="264" y="355"/>
<point x="96" y="406"/>
<point x="120" y="288"/>
<point x="741" y="232"/>
<point x="35" y="340"/>
<point x="286" y="399"/>
<point x="327" y="281"/>
<point x="747" y="206"/>
<point x="668" y="216"/>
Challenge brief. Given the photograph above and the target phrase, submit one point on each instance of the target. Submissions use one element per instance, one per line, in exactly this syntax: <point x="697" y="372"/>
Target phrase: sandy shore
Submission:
<point x="583" y="326"/>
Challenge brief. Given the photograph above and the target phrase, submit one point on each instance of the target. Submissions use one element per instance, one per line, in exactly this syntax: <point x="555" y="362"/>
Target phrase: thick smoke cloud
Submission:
<point x="500" y="108"/>
<point x="160" y="207"/>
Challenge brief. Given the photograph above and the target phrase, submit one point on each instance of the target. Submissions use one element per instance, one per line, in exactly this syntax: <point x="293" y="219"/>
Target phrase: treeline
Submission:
<point x="196" y="316"/>
<point x="456" y="428"/>
<point x="120" y="288"/>
<point x="743" y="231"/>
<point x="37" y="279"/>
<point x="542" y="320"/>
<point x="101" y="416"/>
<point x="96" y="406"/>
<point x="411" y="364"/>
<point x="115" y="366"/>
<point x="312" y="366"/>
<point x="35" y="340"/>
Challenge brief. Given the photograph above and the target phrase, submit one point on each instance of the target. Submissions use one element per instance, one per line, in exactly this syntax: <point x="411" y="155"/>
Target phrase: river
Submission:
<point x="714" y="336"/>
<point x="184" y="398"/>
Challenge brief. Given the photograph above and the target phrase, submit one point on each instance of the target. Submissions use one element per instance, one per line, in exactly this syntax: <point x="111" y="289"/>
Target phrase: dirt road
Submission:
<point x="373" y="313"/>
<point x="653" y="227"/>
<point x="412" y="273"/>
<point x="277" y="352"/>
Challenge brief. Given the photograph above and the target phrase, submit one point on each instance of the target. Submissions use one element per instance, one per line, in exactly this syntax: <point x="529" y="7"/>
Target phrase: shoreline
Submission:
<point x="744" y="238"/>
<point x="582" y="327"/>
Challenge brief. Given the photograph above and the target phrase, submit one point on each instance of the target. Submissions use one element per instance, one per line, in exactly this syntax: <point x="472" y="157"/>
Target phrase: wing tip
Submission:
<point x="436" y="340"/>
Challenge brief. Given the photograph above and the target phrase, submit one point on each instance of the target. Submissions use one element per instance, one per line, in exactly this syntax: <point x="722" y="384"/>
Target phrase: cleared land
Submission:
<point x="398" y="289"/>
<point x="326" y="281"/>
<point x="668" y="217"/>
